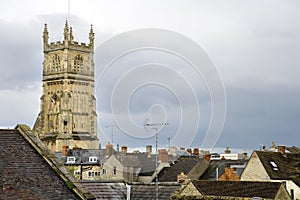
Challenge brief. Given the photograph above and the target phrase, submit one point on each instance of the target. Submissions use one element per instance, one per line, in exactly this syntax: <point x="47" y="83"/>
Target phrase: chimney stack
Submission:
<point x="65" y="150"/>
<point x="109" y="149"/>
<point x="148" y="149"/>
<point x="207" y="157"/>
<point x="281" y="149"/>
<point x="124" y="149"/>
<point x="163" y="156"/>
<point x="227" y="150"/>
<point x="196" y="151"/>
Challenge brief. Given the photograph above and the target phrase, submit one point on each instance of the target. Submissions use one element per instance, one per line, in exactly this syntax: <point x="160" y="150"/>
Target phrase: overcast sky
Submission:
<point x="255" y="46"/>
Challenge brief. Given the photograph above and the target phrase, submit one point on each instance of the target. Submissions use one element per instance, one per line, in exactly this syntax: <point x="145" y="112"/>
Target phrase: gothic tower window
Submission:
<point x="56" y="63"/>
<point x="78" y="63"/>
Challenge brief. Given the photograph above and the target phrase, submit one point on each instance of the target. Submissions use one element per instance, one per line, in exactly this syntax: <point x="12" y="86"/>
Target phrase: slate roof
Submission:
<point x="82" y="156"/>
<point x="129" y="160"/>
<point x="210" y="173"/>
<point x="148" y="191"/>
<point x="138" y="191"/>
<point x="293" y="149"/>
<point x="288" y="165"/>
<point x="184" y="164"/>
<point x="247" y="189"/>
<point x="29" y="170"/>
<point x="147" y="163"/>
<point x="106" y="190"/>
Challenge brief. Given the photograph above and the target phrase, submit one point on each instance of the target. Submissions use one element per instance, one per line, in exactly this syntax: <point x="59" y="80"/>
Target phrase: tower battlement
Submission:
<point x="68" y="41"/>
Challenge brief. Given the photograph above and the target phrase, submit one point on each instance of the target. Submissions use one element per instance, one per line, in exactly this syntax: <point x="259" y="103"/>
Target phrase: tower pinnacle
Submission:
<point x="45" y="35"/>
<point x="91" y="37"/>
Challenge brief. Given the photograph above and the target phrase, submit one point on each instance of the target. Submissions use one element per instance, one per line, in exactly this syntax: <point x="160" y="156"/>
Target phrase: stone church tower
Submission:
<point x="68" y="105"/>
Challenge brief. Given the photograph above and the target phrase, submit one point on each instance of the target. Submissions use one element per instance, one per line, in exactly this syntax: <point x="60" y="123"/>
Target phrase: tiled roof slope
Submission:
<point x="288" y="165"/>
<point x="148" y="191"/>
<point x="184" y="164"/>
<point x="106" y="190"/>
<point x="248" y="189"/>
<point x="293" y="149"/>
<point x="129" y="160"/>
<point x="29" y="170"/>
<point x="210" y="173"/>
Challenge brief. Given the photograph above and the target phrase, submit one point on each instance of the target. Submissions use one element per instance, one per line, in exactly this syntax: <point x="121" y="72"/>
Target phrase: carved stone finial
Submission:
<point x="92" y="37"/>
<point x="71" y="35"/>
<point x="45" y="34"/>
<point x="66" y="31"/>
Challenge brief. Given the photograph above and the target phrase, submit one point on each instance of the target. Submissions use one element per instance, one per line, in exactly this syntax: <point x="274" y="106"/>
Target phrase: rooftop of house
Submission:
<point x="246" y="189"/>
<point x="281" y="166"/>
<point x="129" y="160"/>
<point x="148" y="191"/>
<point x="138" y="191"/>
<point x="106" y="190"/>
<point x="83" y="156"/>
<point x="29" y="170"/>
<point x="220" y="165"/>
<point x="184" y="164"/>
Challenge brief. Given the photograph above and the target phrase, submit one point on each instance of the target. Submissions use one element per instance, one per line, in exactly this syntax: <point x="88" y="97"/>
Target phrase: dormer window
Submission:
<point x="92" y="159"/>
<point x="71" y="160"/>
<point x="274" y="165"/>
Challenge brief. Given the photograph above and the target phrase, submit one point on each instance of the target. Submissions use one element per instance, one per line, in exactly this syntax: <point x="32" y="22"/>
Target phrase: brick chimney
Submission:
<point x="281" y="149"/>
<point x="163" y="156"/>
<point x="207" y="157"/>
<point x="196" y="151"/>
<point x="65" y="150"/>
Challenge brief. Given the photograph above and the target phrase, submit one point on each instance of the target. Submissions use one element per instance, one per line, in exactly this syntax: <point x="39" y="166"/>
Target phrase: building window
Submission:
<point x="92" y="159"/>
<point x="103" y="171"/>
<point x="115" y="171"/>
<point x="56" y="63"/>
<point x="78" y="63"/>
<point x="71" y="160"/>
<point x="274" y="165"/>
<point x="77" y="172"/>
<point x="94" y="174"/>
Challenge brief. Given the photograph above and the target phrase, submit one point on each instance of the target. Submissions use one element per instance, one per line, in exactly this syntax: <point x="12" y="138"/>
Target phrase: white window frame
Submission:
<point x="93" y="159"/>
<point x="71" y="160"/>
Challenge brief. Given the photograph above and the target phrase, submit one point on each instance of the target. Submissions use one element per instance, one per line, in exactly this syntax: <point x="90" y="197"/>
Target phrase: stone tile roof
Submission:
<point x="82" y="156"/>
<point x="106" y="190"/>
<point x="247" y="189"/>
<point x="210" y="173"/>
<point x="293" y="149"/>
<point x="288" y="165"/>
<point x="148" y="191"/>
<point x="184" y="164"/>
<point x="118" y="190"/>
<point x="129" y="160"/>
<point x="29" y="170"/>
<point x="147" y="164"/>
